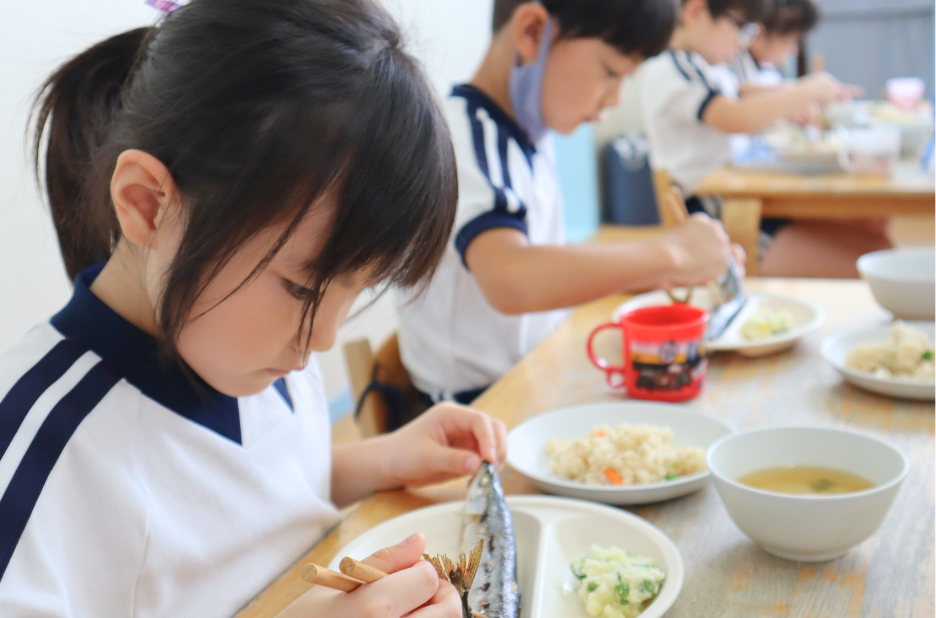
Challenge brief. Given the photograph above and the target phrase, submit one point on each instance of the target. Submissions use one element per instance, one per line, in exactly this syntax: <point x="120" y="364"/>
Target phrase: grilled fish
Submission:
<point x="494" y="593"/>
<point x="486" y="573"/>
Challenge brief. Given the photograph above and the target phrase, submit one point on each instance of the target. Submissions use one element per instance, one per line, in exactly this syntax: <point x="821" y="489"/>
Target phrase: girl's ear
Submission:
<point x="527" y="25"/>
<point x="143" y="192"/>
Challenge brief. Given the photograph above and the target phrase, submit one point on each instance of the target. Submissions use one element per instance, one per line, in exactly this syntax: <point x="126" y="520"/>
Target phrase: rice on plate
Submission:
<point x="907" y="354"/>
<point x="623" y="455"/>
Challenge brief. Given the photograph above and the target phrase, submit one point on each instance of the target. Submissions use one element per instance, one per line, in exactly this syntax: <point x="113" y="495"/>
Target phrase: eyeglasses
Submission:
<point x="747" y="31"/>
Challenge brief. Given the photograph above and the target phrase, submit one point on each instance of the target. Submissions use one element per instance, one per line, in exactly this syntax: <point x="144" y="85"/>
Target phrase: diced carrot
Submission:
<point x="599" y="434"/>
<point x="613" y="477"/>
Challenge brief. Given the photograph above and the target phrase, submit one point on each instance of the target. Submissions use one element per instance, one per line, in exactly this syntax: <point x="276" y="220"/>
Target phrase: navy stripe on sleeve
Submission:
<point x="477" y="139"/>
<point x="27" y="390"/>
<point x="499" y="215"/>
<point x="22" y="493"/>
<point x="705" y="102"/>
<point x="502" y="140"/>
<point x="678" y="66"/>
<point x="482" y="223"/>
<point x="700" y="73"/>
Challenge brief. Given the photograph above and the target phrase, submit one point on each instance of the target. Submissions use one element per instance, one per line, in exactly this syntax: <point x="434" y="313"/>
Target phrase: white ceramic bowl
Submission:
<point x="903" y="282"/>
<point x="807" y="528"/>
<point x="836" y="347"/>
<point x="550" y="533"/>
<point x="526" y="447"/>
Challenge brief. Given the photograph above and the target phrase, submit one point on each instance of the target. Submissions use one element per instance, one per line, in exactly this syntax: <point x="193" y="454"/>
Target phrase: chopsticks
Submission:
<point x="674" y="202"/>
<point x="353" y="575"/>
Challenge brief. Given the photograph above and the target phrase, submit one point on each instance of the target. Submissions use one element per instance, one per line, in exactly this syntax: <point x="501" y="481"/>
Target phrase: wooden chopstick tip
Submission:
<point x="367" y="574"/>
<point x="309" y="573"/>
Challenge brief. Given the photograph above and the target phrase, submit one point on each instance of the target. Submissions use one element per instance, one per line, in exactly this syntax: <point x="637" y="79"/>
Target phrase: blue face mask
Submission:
<point x="526" y="90"/>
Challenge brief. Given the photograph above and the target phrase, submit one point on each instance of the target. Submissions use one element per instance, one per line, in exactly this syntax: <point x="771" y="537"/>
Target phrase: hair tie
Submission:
<point x="165" y="6"/>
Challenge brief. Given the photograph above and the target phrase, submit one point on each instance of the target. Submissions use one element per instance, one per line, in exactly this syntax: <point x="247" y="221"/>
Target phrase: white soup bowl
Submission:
<point x="807" y="527"/>
<point x="903" y="282"/>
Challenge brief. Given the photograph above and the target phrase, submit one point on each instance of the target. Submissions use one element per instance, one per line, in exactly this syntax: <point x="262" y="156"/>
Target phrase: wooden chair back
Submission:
<point x="360" y="361"/>
<point x="663" y="187"/>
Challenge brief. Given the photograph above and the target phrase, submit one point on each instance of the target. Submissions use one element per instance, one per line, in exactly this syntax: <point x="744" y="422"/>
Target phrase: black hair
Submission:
<point x="790" y="17"/>
<point x="256" y="109"/>
<point x="633" y="27"/>
<point x="750" y="10"/>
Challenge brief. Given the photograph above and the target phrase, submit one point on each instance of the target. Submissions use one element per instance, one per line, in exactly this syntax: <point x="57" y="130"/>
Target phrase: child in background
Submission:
<point x="689" y="117"/>
<point x="223" y="185"/>
<point x="783" y="26"/>
<point x="507" y="276"/>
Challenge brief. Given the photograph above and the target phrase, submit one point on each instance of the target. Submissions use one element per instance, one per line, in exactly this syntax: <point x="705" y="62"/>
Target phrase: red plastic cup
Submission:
<point x="663" y="360"/>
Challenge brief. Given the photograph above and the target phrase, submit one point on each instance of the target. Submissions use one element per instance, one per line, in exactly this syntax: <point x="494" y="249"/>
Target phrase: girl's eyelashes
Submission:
<point x="611" y="73"/>
<point x="297" y="291"/>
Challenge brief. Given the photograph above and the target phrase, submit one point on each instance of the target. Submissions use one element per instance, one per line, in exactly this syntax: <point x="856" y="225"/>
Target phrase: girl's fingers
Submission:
<point x="457" y="421"/>
<point x="482" y="427"/>
<point x="500" y="430"/>
<point x="397" y="557"/>
<point x="398" y="593"/>
<point x="444" y="604"/>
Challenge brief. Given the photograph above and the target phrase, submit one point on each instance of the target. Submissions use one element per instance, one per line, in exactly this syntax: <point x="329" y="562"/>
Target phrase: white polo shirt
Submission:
<point x="128" y="491"/>
<point x="674" y="89"/>
<point x="451" y="338"/>
<point x="748" y="71"/>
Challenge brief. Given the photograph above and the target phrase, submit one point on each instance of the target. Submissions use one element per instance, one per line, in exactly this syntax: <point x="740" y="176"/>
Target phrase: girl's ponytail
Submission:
<point x="73" y="110"/>
<point x="261" y="112"/>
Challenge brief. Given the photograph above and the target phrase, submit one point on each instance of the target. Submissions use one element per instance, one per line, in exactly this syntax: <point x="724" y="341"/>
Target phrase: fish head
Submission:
<point x="480" y="487"/>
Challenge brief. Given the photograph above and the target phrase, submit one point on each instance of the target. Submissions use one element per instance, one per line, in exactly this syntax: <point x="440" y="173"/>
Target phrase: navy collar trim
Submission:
<point x="135" y="355"/>
<point x="475" y="96"/>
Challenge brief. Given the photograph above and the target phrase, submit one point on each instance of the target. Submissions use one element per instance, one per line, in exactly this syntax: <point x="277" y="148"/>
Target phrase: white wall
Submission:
<point x="36" y="36"/>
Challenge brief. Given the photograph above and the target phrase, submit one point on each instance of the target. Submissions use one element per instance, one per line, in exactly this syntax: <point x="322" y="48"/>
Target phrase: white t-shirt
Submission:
<point x="127" y="491"/>
<point x="451" y="338"/>
<point x="748" y="71"/>
<point x="674" y="89"/>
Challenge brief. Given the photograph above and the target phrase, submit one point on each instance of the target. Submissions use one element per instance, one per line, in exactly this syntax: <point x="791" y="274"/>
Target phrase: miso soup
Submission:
<point x="806" y="480"/>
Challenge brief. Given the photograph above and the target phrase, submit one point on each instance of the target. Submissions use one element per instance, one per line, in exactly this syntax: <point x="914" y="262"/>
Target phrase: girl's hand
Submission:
<point x="412" y="589"/>
<point x="447" y="441"/>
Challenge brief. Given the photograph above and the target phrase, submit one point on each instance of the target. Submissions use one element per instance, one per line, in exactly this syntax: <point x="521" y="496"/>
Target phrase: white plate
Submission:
<point x="836" y="347"/>
<point x="808" y="317"/>
<point x="550" y="533"/>
<point x="526" y="447"/>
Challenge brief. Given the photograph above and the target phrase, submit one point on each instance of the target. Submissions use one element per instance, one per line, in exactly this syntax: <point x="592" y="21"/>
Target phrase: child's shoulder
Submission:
<point x="33" y="364"/>
<point x="678" y="65"/>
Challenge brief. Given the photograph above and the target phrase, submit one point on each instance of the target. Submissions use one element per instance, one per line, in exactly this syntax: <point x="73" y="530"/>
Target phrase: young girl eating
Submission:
<point x="223" y="186"/>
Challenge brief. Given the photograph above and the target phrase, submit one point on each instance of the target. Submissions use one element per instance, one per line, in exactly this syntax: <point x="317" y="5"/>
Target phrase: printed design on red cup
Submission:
<point x="668" y="366"/>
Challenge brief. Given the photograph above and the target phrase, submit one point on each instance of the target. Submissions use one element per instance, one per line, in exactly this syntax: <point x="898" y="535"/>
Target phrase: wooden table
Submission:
<point x="752" y="195"/>
<point x="726" y="574"/>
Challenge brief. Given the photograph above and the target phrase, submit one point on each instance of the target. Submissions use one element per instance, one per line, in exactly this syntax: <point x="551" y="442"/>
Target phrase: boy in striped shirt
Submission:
<point x="507" y="276"/>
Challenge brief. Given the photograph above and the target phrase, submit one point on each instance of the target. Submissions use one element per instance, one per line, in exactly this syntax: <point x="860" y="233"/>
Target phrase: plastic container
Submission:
<point x="905" y="92"/>
<point x="663" y="359"/>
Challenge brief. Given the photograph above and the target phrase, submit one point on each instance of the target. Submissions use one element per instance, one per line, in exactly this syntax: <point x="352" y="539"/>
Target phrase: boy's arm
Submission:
<point x="517" y="277"/>
<point x="756" y="111"/>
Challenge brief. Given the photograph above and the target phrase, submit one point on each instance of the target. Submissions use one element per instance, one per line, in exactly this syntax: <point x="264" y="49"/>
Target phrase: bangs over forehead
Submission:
<point x="633" y="27"/>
